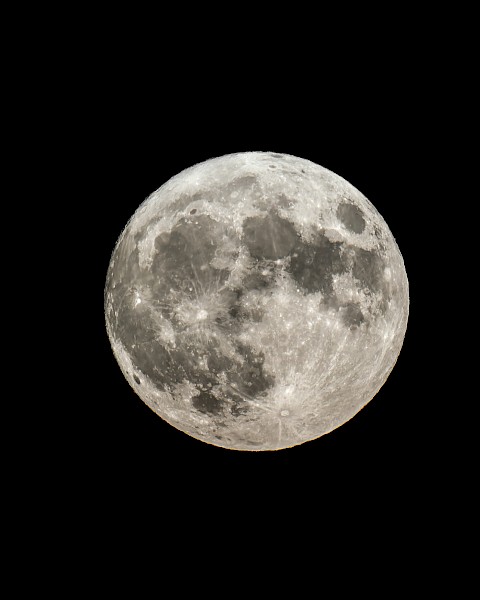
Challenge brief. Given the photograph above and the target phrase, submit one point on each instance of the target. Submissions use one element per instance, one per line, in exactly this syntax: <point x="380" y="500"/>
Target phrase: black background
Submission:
<point x="122" y="119"/>
<point x="372" y="479"/>
<point x="143" y="141"/>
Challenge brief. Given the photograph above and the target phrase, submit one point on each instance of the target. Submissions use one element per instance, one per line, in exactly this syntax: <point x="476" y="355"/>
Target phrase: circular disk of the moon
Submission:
<point x="256" y="301"/>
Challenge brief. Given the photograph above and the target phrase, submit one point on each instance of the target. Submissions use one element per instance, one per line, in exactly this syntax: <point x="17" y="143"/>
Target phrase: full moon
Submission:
<point x="256" y="301"/>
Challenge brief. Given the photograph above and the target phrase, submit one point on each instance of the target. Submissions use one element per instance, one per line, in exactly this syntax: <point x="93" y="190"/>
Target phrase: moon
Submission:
<point x="256" y="301"/>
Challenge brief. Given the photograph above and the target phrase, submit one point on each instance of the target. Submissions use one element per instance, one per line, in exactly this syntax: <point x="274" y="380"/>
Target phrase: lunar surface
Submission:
<point x="256" y="301"/>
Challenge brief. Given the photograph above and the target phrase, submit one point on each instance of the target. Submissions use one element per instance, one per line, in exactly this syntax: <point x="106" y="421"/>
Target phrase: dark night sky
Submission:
<point x="138" y="149"/>
<point x="108" y="108"/>
<point x="126" y="132"/>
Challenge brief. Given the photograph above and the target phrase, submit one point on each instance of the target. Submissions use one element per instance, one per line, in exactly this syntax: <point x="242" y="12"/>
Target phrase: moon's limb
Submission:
<point x="256" y="301"/>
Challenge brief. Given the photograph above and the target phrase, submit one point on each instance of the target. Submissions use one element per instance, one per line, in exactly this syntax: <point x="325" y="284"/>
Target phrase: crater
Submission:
<point x="351" y="217"/>
<point x="182" y="201"/>
<point x="269" y="237"/>
<point x="136" y="379"/>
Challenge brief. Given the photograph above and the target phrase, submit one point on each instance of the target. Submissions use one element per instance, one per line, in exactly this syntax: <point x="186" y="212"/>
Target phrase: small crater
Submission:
<point x="181" y="202"/>
<point x="272" y="166"/>
<point x="193" y="211"/>
<point x="136" y="379"/>
<point x="276" y="155"/>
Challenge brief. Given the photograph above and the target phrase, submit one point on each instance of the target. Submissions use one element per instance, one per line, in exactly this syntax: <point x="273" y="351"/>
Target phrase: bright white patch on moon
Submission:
<point x="256" y="301"/>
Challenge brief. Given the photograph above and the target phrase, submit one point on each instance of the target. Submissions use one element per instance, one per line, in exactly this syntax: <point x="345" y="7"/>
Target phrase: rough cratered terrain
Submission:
<point x="256" y="301"/>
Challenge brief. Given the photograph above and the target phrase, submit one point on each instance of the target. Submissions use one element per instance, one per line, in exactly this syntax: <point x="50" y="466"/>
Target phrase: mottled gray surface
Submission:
<point x="256" y="301"/>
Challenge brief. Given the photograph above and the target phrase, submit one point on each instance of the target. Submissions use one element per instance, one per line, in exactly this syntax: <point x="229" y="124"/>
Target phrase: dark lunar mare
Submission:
<point x="269" y="237"/>
<point x="181" y="268"/>
<point x="246" y="378"/>
<point x="183" y="256"/>
<point x="351" y="216"/>
<point x="313" y="267"/>
<point x="368" y="268"/>
<point x="352" y="315"/>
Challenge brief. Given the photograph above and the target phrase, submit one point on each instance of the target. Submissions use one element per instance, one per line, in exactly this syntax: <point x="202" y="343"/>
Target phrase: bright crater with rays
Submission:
<point x="256" y="301"/>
